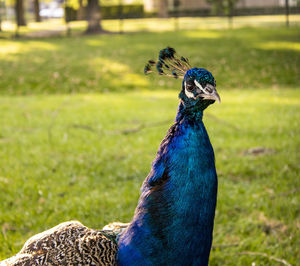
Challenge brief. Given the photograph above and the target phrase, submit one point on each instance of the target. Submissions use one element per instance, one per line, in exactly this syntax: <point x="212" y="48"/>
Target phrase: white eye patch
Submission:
<point x="208" y="88"/>
<point x="198" y="85"/>
<point x="188" y="93"/>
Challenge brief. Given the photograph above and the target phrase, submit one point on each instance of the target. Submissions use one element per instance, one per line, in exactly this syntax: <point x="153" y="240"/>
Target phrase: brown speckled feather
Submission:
<point x="70" y="243"/>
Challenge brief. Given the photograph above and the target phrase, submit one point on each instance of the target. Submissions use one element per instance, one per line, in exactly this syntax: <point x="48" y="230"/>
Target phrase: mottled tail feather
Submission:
<point x="168" y="64"/>
<point x="70" y="243"/>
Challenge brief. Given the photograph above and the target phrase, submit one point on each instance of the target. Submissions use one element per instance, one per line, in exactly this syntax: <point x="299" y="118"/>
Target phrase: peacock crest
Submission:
<point x="169" y="64"/>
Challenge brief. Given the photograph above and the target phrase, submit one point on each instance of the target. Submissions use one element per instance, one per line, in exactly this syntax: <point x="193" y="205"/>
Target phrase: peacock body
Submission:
<point x="173" y="221"/>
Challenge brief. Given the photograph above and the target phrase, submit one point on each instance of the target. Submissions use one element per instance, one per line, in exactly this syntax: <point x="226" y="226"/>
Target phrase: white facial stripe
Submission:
<point x="198" y="85"/>
<point x="188" y="93"/>
<point x="208" y="88"/>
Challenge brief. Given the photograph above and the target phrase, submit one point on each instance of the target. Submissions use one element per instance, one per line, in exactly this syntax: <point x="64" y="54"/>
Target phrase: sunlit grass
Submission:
<point x="11" y="47"/>
<point x="280" y="45"/>
<point x="203" y="34"/>
<point x="239" y="58"/>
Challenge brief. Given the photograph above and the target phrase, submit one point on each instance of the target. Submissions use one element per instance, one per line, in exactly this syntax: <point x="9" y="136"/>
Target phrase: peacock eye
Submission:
<point x="189" y="87"/>
<point x="208" y="89"/>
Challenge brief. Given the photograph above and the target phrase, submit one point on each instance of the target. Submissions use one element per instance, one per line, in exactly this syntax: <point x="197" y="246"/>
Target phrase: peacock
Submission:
<point x="174" y="218"/>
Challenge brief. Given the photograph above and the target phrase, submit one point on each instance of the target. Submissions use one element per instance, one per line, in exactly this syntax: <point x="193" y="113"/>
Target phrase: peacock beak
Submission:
<point x="212" y="96"/>
<point x="209" y="92"/>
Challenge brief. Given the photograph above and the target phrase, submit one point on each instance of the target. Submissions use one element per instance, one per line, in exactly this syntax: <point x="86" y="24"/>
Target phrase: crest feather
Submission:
<point x="169" y="64"/>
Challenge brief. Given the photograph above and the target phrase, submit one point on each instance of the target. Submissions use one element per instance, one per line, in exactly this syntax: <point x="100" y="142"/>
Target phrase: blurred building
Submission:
<point x="52" y="9"/>
<point x="264" y="3"/>
<point x="154" y="5"/>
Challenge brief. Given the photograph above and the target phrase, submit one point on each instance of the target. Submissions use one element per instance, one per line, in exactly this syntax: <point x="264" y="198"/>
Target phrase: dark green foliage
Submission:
<point x="125" y="11"/>
<point x="70" y="14"/>
<point x="222" y="7"/>
<point x="111" y="12"/>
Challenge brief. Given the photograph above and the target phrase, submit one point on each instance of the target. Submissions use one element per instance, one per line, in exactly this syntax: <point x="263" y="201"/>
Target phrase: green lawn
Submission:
<point x="80" y="125"/>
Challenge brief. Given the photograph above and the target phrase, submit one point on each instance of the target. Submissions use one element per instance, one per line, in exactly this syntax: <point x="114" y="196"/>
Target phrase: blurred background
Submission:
<point x="20" y="15"/>
<point x="80" y="123"/>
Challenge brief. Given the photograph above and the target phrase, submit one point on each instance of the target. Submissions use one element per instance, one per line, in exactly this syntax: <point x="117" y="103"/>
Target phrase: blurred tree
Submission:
<point x="81" y="10"/>
<point x="36" y="4"/>
<point x="287" y="11"/>
<point x="93" y="16"/>
<point x="163" y="9"/>
<point x="68" y="17"/>
<point x="120" y="16"/>
<point x="217" y="7"/>
<point x="2" y="7"/>
<point x="228" y="8"/>
<point x="223" y="7"/>
<point x="19" y="9"/>
<point x="176" y="5"/>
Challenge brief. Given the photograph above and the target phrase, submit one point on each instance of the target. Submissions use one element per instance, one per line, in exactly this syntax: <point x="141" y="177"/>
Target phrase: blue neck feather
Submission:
<point x="173" y="222"/>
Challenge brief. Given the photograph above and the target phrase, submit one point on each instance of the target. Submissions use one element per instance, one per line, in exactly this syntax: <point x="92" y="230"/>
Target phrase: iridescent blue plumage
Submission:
<point x="202" y="75"/>
<point x="173" y="222"/>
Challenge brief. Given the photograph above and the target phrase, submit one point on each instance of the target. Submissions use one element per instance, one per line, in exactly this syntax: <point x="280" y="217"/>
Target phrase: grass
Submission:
<point x="239" y="58"/>
<point x="66" y="103"/>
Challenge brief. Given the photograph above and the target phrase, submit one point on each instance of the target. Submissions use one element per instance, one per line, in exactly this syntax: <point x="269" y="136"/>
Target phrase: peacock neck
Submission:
<point x="173" y="222"/>
<point x="189" y="112"/>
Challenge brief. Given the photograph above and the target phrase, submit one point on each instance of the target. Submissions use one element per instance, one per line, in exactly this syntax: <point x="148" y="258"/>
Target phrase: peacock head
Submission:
<point x="198" y="86"/>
